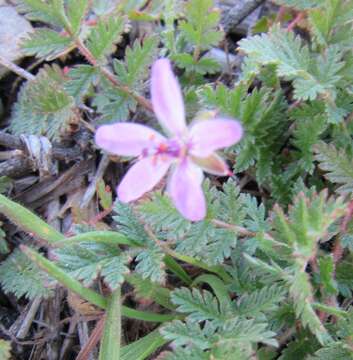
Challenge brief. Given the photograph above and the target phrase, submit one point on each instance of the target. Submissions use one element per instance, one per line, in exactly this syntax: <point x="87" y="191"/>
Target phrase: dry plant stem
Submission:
<point x="83" y="333"/>
<point x="68" y="341"/>
<point x="27" y="322"/>
<point x="111" y="77"/>
<point x="238" y="13"/>
<point x="16" y="69"/>
<point x="92" y="341"/>
<point x="91" y="190"/>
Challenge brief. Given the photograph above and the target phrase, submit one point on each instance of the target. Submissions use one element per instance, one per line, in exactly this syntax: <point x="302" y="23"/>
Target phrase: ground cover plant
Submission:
<point x="106" y="256"/>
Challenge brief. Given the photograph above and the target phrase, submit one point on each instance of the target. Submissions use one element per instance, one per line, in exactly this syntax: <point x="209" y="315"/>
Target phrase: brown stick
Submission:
<point x="92" y="341"/>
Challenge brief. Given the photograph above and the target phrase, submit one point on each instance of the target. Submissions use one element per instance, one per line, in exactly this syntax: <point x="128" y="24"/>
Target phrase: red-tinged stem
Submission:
<point x="111" y="77"/>
<point x="297" y="19"/>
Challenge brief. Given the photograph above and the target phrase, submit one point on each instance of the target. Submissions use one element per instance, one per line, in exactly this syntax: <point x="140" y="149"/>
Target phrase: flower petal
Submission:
<point x="167" y="99"/>
<point x="142" y="177"/>
<point x="127" y="139"/>
<point x="185" y="189"/>
<point x="210" y="135"/>
<point x="212" y="164"/>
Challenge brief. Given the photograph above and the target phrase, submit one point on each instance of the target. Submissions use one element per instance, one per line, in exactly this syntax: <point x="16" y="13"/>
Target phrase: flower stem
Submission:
<point x="110" y="344"/>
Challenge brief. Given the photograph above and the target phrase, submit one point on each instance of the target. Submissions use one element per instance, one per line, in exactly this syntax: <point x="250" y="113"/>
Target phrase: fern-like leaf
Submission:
<point x="337" y="164"/>
<point x="20" y="276"/>
<point x="103" y="38"/>
<point x="43" y="108"/>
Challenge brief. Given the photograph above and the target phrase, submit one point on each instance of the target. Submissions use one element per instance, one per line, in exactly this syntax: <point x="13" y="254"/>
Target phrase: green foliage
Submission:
<point x="86" y="261"/>
<point x="67" y="15"/>
<point x="103" y="37"/>
<point x="46" y="43"/>
<point x="81" y="79"/>
<point x="337" y="164"/>
<point x="261" y="300"/>
<point x="314" y="75"/>
<point x="113" y="103"/>
<point x="200" y="25"/>
<point x="149" y="259"/>
<point x="261" y="114"/>
<point x="21" y="277"/>
<point x="265" y="267"/>
<point x="43" y="107"/>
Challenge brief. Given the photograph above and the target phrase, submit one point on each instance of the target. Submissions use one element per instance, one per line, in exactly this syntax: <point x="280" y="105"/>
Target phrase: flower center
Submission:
<point x="172" y="148"/>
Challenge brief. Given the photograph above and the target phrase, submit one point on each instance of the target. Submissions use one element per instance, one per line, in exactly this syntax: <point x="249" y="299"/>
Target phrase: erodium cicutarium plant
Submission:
<point x="188" y="150"/>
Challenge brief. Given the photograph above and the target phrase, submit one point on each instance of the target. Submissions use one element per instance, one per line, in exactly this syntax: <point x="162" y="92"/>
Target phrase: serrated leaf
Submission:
<point x="76" y="11"/>
<point x="81" y="78"/>
<point x="338" y="164"/>
<point x="151" y="265"/>
<point x="45" y="43"/>
<point x="138" y="58"/>
<point x="104" y="36"/>
<point x="162" y="216"/>
<point x="50" y="11"/>
<point x="265" y="299"/>
<point x="201" y="66"/>
<point x="43" y="107"/>
<point x="199" y="305"/>
<point x="200" y="27"/>
<point x="89" y="260"/>
<point x="21" y="277"/>
<point x="186" y="334"/>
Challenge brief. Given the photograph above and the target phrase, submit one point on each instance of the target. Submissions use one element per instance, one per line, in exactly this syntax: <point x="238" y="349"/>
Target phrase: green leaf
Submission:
<point x="103" y="37"/>
<point x="201" y="66"/>
<point x="88" y="260"/>
<point x="115" y="104"/>
<point x="265" y="299"/>
<point x="281" y="48"/>
<point x="327" y="268"/>
<point x="337" y="351"/>
<point x="88" y="294"/>
<point x="138" y="59"/>
<point x="110" y="343"/>
<point x="76" y="11"/>
<point x="45" y="43"/>
<point x="199" y="29"/>
<point x="21" y="277"/>
<point x="151" y="265"/>
<point x="163" y="217"/>
<point x="53" y="270"/>
<point x="144" y="347"/>
<point x="28" y="221"/>
<point x="199" y="305"/>
<point x="81" y="79"/>
<point x="337" y="164"/>
<point x="43" y="107"/>
<point x="50" y="11"/>
<point x="302" y="294"/>
<point x="186" y="334"/>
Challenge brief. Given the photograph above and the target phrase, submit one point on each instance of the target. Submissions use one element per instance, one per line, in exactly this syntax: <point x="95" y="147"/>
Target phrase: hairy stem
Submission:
<point x="111" y="77"/>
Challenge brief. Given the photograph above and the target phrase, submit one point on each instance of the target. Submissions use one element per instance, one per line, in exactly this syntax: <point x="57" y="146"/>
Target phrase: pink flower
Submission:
<point x="187" y="150"/>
